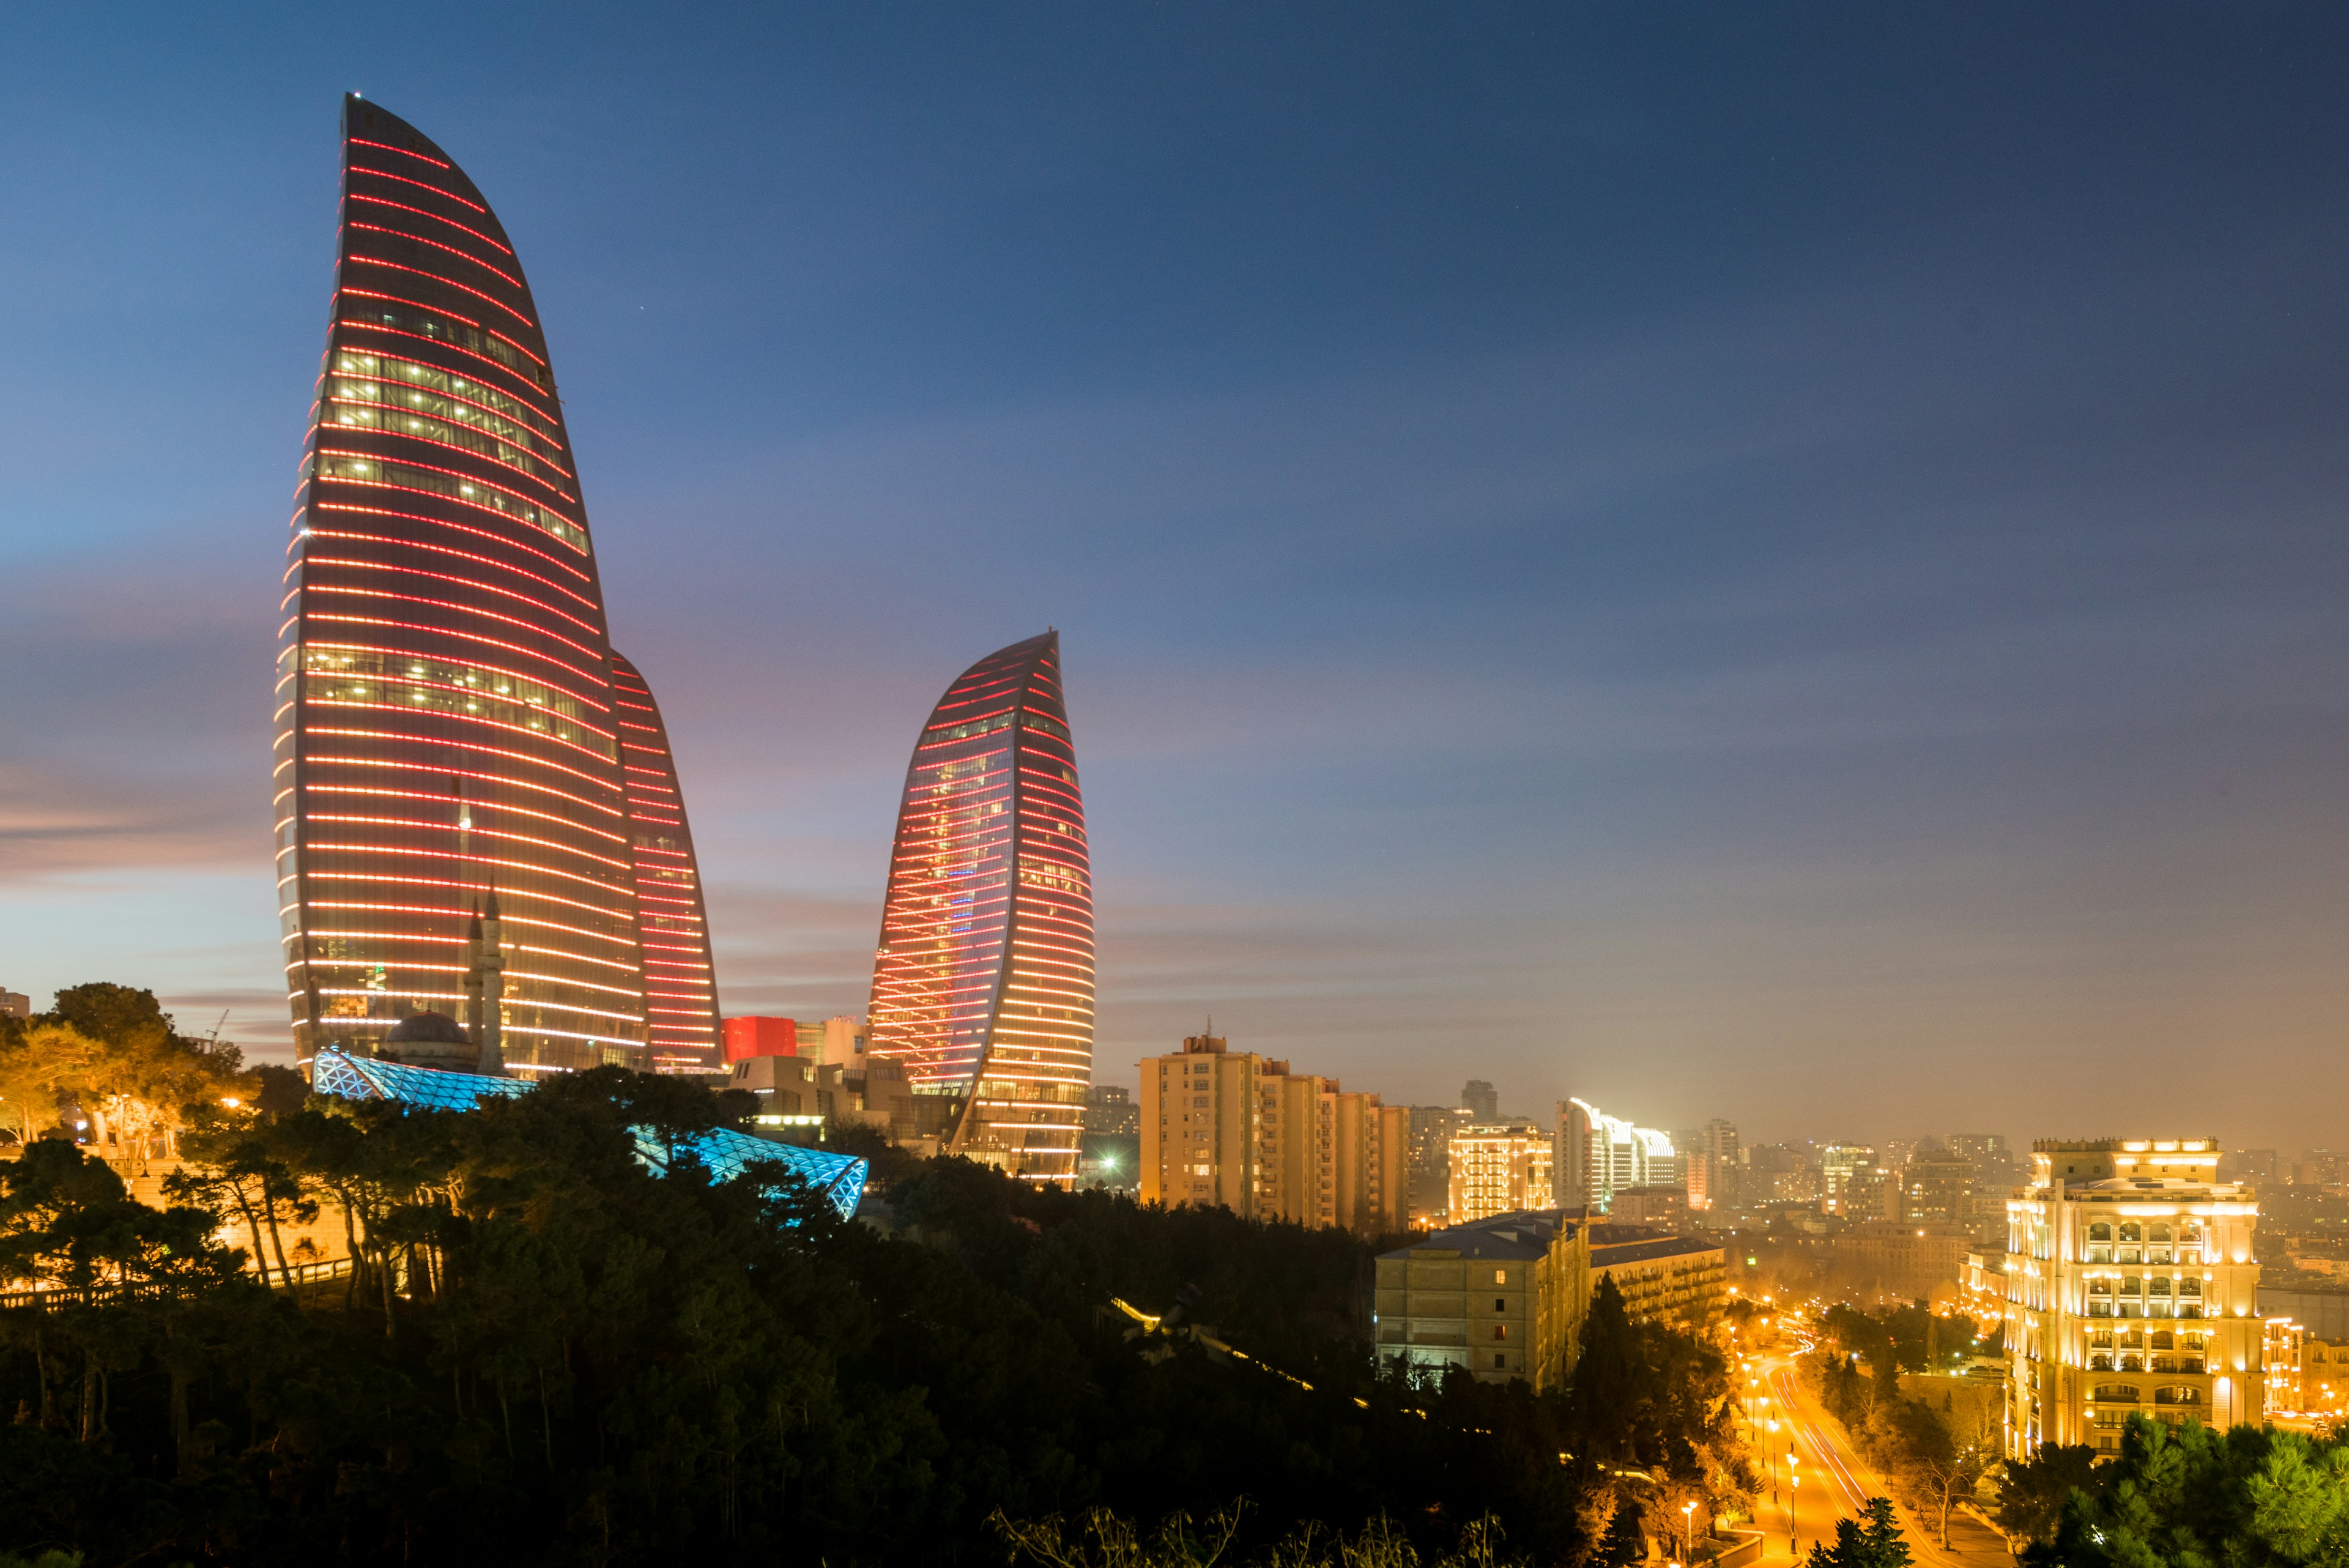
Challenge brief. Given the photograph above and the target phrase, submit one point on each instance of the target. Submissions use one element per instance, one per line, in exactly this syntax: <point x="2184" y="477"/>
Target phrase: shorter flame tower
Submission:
<point x="983" y="984"/>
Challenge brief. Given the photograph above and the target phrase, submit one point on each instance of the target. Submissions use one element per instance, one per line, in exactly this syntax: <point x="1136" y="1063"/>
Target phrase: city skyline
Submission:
<point x="1786" y="600"/>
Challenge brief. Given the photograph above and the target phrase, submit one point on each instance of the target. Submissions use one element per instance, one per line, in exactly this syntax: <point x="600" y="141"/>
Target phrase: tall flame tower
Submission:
<point x="983" y="985"/>
<point x="448" y="735"/>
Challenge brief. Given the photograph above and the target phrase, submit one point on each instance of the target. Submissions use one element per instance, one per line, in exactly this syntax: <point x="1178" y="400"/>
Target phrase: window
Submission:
<point x="1500" y="1276"/>
<point x="2100" y="1232"/>
<point x="2132" y="1231"/>
<point x="2115" y="1394"/>
<point x="1500" y="1306"/>
<point x="2177" y="1393"/>
<point x="1499" y="1360"/>
<point x="1500" y="1331"/>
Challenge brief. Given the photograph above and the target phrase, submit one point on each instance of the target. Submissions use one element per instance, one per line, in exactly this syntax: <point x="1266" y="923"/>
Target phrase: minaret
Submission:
<point x="489" y="964"/>
<point x="473" y="978"/>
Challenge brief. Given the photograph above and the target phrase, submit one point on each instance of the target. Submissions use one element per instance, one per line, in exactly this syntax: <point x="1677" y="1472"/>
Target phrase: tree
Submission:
<point x="1924" y="1458"/>
<point x="2032" y="1492"/>
<point x="1872" y="1540"/>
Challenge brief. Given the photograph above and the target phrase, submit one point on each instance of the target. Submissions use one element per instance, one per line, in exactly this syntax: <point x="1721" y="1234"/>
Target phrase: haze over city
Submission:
<point x="1785" y="570"/>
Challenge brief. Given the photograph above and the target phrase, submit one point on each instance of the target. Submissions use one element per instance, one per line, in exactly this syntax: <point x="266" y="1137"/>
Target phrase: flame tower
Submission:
<point x="983" y="985"/>
<point x="672" y="928"/>
<point x="446" y="714"/>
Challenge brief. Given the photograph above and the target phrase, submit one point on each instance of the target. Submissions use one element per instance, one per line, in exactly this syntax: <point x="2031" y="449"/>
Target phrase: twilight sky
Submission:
<point x="1776" y="562"/>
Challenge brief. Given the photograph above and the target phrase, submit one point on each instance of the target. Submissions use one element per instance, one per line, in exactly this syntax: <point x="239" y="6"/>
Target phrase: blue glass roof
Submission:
<point x="839" y="1177"/>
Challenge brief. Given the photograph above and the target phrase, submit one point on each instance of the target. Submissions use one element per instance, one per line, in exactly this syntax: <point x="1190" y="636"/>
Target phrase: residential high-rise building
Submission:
<point x="1842" y="1166"/>
<point x="15" y="1004"/>
<point x="2132" y="1285"/>
<point x="448" y="722"/>
<point x="1710" y="1159"/>
<point x="1479" y="1100"/>
<point x="1110" y="1108"/>
<point x="1230" y="1129"/>
<point x="1500" y="1168"/>
<point x="1937" y="1188"/>
<point x="1992" y="1161"/>
<point x="672" y="928"/>
<point x="983" y="983"/>
<point x="1597" y="1154"/>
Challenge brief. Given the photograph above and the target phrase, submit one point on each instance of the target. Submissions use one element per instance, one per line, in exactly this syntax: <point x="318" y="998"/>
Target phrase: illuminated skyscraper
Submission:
<point x="984" y="981"/>
<point x="680" y="985"/>
<point x="445" y="721"/>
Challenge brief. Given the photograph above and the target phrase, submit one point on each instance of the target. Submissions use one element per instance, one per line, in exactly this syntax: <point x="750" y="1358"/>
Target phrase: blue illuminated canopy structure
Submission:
<point x="724" y="1153"/>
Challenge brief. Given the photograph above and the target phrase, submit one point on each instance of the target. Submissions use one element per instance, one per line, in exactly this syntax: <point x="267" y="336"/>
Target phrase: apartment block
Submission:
<point x="1242" y="1131"/>
<point x="1503" y="1298"/>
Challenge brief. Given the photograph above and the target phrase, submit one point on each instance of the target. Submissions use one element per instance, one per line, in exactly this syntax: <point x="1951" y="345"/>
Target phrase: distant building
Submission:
<point x="1429" y="1198"/>
<point x="1994" y="1162"/>
<point x="1912" y="1262"/>
<point x="785" y="1086"/>
<point x="2324" y="1378"/>
<point x="1597" y="1154"/>
<point x="1666" y="1208"/>
<point x="1110" y="1108"/>
<point x="1781" y="1173"/>
<point x="753" y="1035"/>
<point x="844" y="1039"/>
<point x="1936" y="1189"/>
<point x="2248" y="1165"/>
<point x="2131" y="1287"/>
<point x="1478" y="1100"/>
<point x="1503" y="1298"/>
<point x="1710" y="1161"/>
<point x="1498" y="1168"/>
<point x="2283" y="1348"/>
<point x="1982" y="1287"/>
<point x="1842" y="1166"/>
<point x="1235" y="1129"/>
<point x="15" y="1004"/>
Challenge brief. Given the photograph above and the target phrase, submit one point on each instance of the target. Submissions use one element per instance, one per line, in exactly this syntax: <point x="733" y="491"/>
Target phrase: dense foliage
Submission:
<point x="551" y="1356"/>
<point x="2187" y="1495"/>
<point x="1933" y="1453"/>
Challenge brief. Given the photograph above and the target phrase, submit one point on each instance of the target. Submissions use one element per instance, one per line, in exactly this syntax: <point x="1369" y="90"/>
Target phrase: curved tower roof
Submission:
<point x="681" y="984"/>
<point x="444" y="720"/>
<point x="984" y="981"/>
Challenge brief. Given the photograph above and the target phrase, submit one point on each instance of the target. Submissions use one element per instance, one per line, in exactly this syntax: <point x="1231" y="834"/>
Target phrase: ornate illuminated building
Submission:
<point x="2132" y="1288"/>
<point x="983" y="984"/>
<point x="680" y="985"/>
<point x="447" y="720"/>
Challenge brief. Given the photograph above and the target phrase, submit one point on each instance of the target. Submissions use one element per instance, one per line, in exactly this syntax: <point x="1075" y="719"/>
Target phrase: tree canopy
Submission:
<point x="550" y="1353"/>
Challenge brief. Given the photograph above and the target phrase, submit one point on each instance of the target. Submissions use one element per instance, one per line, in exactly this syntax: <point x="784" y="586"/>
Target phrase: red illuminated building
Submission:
<point x="983" y="985"/>
<point x="681" y="984"/>
<point x="750" y="1036"/>
<point x="447" y="716"/>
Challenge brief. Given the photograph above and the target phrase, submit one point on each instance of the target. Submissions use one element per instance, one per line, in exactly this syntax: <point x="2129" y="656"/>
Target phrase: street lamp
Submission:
<point x="1688" y="1531"/>
<point x="1794" y="1531"/>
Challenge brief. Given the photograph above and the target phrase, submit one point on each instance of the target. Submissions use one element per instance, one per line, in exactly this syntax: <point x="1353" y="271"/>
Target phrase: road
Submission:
<point x="1835" y="1483"/>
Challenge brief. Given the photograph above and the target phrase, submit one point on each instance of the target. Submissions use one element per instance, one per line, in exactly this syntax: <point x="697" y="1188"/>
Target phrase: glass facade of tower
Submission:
<point x="983" y="985"/>
<point x="445" y="715"/>
<point x="680" y="985"/>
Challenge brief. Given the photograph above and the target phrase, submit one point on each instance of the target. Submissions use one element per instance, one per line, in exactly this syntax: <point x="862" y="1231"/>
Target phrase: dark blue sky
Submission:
<point x="1784" y="563"/>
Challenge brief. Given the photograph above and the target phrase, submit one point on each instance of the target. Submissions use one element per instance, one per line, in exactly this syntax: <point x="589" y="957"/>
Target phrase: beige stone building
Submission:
<point x="1234" y="1129"/>
<point x="1662" y="1277"/>
<point x="2132" y="1281"/>
<point x="1502" y="1297"/>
